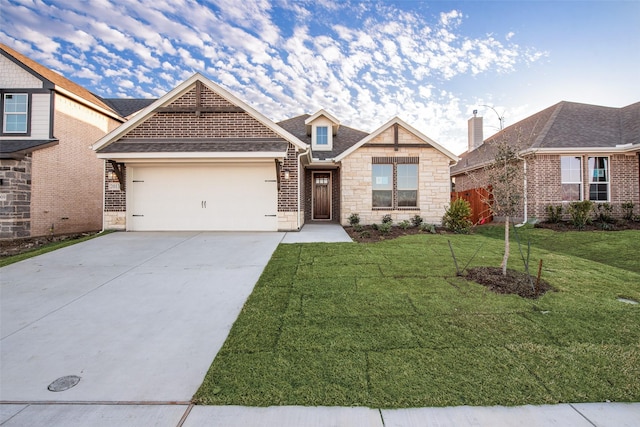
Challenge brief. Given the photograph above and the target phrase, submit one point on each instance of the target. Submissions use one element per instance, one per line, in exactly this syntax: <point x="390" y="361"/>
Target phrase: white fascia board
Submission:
<point x="199" y="155"/>
<point x="319" y="113"/>
<point x="584" y="150"/>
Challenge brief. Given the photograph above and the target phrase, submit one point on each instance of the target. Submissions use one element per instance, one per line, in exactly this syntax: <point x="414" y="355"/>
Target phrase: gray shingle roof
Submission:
<point x="10" y="147"/>
<point x="192" y="145"/>
<point x="126" y="107"/>
<point x="344" y="139"/>
<point x="564" y="125"/>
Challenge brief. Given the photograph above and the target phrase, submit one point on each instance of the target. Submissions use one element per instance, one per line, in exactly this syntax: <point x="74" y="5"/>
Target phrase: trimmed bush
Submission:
<point x="354" y="219"/>
<point x="554" y="213"/>
<point x="387" y="219"/>
<point x="404" y="224"/>
<point x="458" y="216"/>
<point x="581" y="213"/>
<point x="416" y="220"/>
<point x="627" y="210"/>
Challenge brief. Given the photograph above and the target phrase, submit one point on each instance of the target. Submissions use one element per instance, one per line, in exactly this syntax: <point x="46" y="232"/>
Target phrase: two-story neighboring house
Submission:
<point x="570" y="152"/>
<point x="50" y="179"/>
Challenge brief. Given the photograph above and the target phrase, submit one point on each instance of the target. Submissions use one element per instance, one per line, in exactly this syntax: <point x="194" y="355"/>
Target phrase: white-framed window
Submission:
<point x="598" y="179"/>
<point x="407" y="186"/>
<point x="571" y="177"/>
<point x="15" y="117"/>
<point x="382" y="196"/>
<point x="322" y="135"/>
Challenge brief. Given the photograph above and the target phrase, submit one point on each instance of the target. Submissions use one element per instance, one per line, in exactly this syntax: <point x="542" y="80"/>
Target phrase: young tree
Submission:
<point x="505" y="178"/>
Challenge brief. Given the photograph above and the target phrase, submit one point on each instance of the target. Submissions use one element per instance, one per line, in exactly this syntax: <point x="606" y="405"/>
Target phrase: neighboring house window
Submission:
<point x="16" y="112"/>
<point x="322" y="135"/>
<point x="599" y="179"/>
<point x="382" y="186"/>
<point x="571" y="171"/>
<point x="407" y="186"/>
<point x="395" y="182"/>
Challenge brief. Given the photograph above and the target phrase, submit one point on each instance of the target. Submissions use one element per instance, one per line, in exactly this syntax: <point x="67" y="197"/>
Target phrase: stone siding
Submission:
<point x="15" y="198"/>
<point x="433" y="181"/>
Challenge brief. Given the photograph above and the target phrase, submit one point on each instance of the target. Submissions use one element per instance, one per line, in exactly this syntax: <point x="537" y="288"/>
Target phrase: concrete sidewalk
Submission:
<point x="182" y="415"/>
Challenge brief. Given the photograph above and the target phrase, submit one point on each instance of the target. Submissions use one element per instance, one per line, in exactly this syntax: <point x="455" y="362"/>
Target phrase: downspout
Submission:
<point x="300" y="195"/>
<point x="525" y="219"/>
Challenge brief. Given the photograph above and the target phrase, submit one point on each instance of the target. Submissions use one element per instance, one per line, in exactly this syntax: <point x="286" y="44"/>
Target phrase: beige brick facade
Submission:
<point x="433" y="180"/>
<point x="67" y="179"/>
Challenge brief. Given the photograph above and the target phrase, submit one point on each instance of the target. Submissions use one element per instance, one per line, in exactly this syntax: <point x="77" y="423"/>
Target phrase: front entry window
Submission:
<point x="407" y="186"/>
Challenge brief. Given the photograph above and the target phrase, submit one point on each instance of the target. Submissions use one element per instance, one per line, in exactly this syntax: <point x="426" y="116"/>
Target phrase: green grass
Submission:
<point x="389" y="325"/>
<point x="46" y="248"/>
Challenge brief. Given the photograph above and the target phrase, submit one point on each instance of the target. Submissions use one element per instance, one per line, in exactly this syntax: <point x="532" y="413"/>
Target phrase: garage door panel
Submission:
<point x="203" y="197"/>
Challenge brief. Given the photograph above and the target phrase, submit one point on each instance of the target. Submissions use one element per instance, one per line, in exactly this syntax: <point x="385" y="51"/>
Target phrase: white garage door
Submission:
<point x="202" y="197"/>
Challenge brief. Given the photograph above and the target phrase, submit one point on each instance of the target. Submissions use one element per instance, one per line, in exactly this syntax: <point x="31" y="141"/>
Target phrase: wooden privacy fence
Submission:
<point x="477" y="198"/>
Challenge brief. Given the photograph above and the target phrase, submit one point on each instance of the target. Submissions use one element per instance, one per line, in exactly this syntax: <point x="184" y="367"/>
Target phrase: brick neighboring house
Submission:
<point x="199" y="158"/>
<point x="571" y="152"/>
<point x="50" y="180"/>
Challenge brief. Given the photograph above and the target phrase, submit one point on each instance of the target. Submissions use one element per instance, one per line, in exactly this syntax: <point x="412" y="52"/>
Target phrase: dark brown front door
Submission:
<point x="321" y="196"/>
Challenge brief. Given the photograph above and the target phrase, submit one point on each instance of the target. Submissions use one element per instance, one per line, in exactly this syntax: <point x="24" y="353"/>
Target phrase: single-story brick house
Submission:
<point x="199" y="158"/>
<point x="50" y="179"/>
<point x="571" y="152"/>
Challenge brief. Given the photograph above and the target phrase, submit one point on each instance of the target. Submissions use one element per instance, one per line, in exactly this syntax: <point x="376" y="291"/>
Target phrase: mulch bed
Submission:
<point x="514" y="282"/>
<point x="368" y="234"/>
<point x="594" y="226"/>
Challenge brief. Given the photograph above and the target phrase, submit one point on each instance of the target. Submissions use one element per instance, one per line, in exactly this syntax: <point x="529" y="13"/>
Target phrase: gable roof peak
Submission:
<point x="179" y="91"/>
<point x="59" y="82"/>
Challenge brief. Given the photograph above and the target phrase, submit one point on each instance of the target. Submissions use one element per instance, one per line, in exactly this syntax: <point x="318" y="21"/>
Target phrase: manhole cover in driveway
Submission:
<point x="64" y="383"/>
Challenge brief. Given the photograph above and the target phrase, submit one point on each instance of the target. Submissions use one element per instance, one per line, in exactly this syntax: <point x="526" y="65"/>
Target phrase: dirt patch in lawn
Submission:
<point x="22" y="245"/>
<point x="514" y="282"/>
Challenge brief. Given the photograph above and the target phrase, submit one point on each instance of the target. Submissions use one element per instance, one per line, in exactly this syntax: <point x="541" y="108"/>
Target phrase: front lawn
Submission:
<point x="389" y="325"/>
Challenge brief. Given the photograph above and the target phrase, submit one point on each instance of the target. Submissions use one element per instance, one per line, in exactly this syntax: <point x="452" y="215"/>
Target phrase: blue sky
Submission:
<point x="430" y="62"/>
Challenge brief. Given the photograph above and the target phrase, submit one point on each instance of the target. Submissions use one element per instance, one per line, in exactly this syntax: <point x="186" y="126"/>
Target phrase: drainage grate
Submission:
<point x="64" y="383"/>
<point x="628" y="301"/>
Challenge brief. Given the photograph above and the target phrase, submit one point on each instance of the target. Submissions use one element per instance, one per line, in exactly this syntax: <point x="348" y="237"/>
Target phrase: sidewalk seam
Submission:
<point x="186" y="414"/>
<point x="582" y="415"/>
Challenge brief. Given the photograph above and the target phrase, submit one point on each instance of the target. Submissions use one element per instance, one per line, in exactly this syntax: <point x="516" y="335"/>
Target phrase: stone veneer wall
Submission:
<point x="433" y="181"/>
<point x="15" y="198"/>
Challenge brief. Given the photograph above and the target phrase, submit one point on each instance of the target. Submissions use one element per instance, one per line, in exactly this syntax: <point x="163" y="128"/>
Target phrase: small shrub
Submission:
<point x="365" y="234"/>
<point x="427" y="228"/>
<point x="404" y="224"/>
<point x="384" y="228"/>
<point x="387" y="219"/>
<point x="627" y="210"/>
<point x="554" y="213"/>
<point x="354" y="219"/>
<point x="416" y="220"/>
<point x="357" y="227"/>
<point x="374" y="226"/>
<point x="580" y="213"/>
<point x="458" y="216"/>
<point x="604" y="212"/>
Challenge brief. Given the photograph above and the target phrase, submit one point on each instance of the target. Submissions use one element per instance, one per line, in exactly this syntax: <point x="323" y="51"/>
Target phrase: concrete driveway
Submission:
<point x="137" y="316"/>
